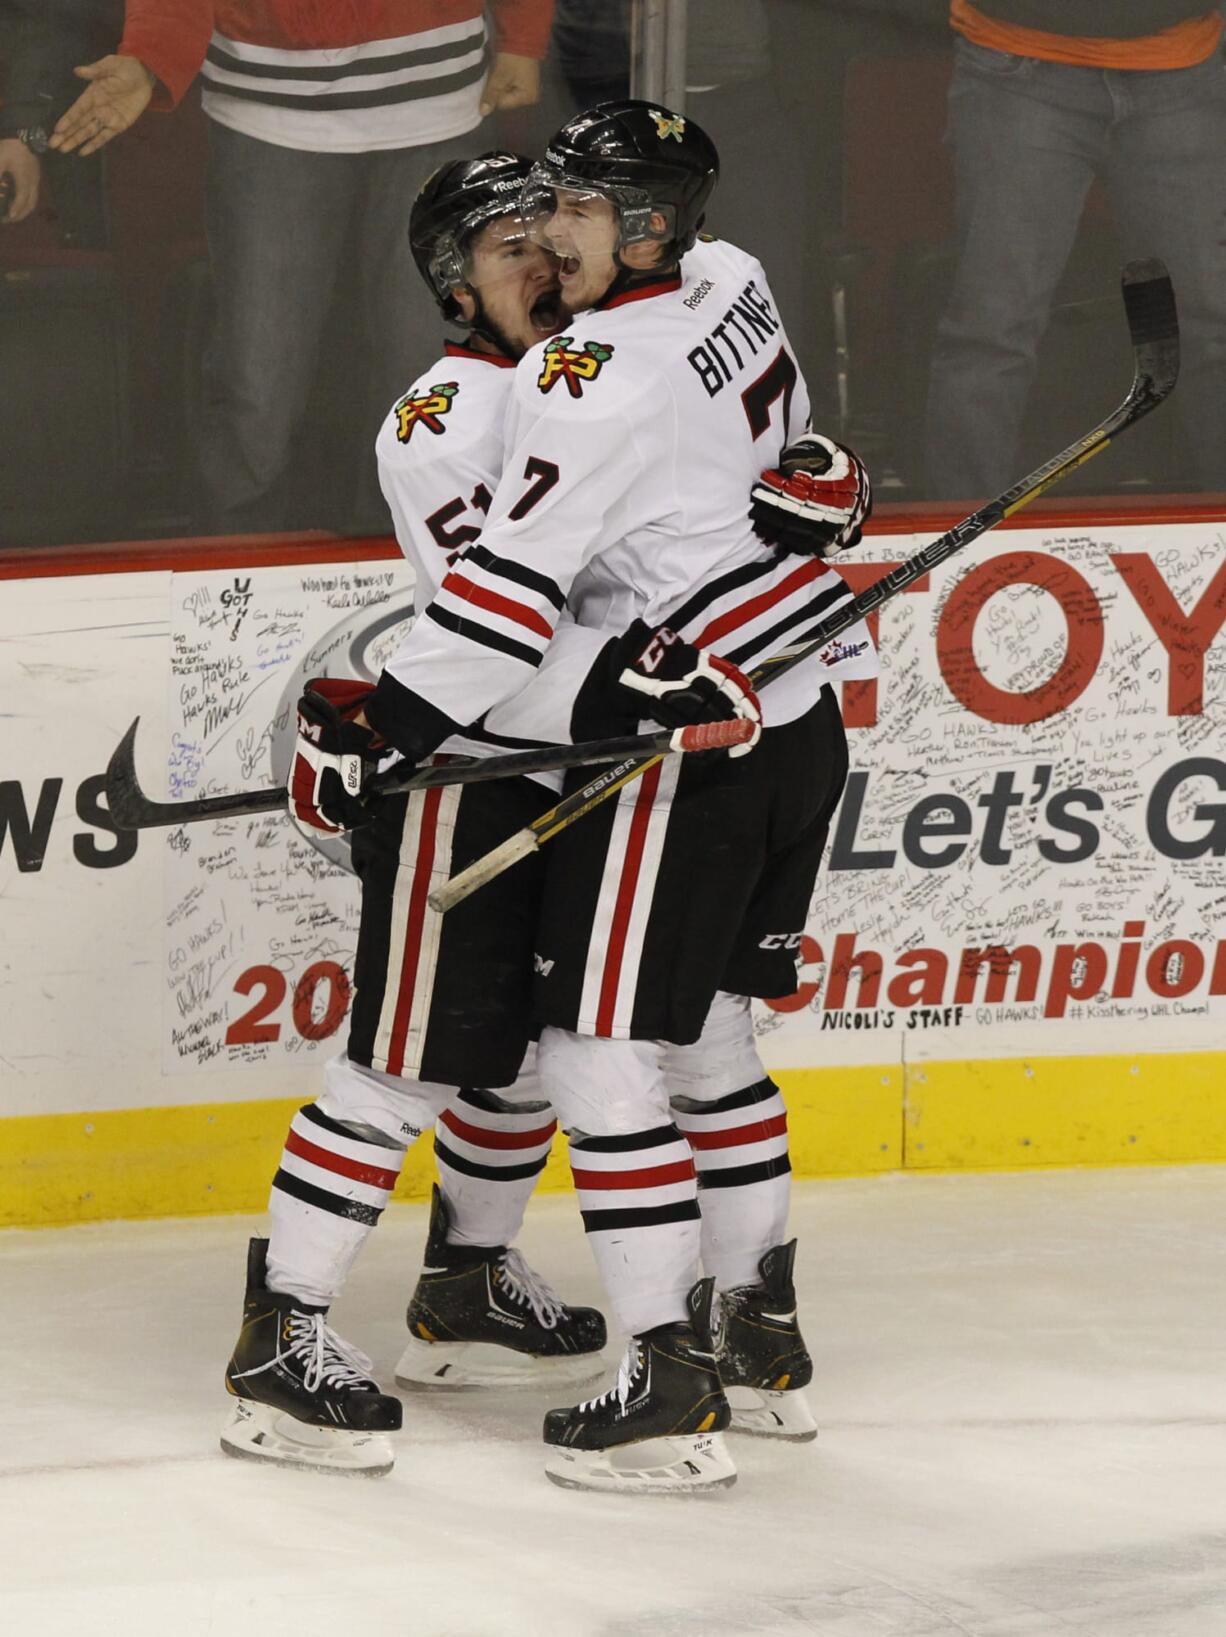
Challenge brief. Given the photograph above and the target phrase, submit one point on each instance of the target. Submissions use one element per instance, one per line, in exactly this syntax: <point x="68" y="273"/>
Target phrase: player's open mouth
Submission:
<point x="569" y="267"/>
<point x="546" y="312"/>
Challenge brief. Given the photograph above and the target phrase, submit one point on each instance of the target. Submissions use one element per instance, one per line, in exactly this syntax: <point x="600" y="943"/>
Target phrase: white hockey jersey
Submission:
<point x="632" y="443"/>
<point x="439" y="454"/>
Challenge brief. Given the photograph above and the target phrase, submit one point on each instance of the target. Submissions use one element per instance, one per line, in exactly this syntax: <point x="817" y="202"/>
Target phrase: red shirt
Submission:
<point x="171" y="36"/>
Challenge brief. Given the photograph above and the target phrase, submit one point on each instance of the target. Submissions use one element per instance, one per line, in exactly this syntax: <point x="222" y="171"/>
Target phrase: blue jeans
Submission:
<point x="1028" y="137"/>
<point x="286" y="227"/>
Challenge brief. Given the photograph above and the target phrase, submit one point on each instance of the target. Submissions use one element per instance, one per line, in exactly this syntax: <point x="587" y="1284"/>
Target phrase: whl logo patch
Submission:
<point x="573" y="363"/>
<point x="838" y="651"/>
<point x="427" y="410"/>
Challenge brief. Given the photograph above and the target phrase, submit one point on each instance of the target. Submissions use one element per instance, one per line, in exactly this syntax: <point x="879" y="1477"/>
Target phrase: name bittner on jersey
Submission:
<point x="751" y="316"/>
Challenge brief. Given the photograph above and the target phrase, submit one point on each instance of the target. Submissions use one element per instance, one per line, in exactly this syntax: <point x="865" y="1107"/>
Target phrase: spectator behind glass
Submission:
<point x="1047" y="95"/>
<point x="44" y="47"/>
<point x="324" y="118"/>
<point x="40" y="43"/>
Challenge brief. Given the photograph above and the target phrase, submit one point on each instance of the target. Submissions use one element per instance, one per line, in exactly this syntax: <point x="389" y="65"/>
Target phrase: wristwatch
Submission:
<point x="36" y="137"/>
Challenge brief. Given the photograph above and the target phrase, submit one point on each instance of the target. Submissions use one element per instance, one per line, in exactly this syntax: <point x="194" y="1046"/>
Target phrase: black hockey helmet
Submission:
<point x="451" y="207"/>
<point x="642" y="157"/>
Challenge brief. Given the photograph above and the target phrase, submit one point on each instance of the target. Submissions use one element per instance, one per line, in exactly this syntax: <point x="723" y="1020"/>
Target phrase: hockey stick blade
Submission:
<point x="131" y="809"/>
<point x="1153" y="328"/>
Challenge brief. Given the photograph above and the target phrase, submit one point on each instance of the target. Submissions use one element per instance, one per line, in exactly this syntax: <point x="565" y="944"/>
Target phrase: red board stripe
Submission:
<point x="735" y="1135"/>
<point x="375" y="1176"/>
<point x="34" y="562"/>
<point x="611" y="977"/>
<point x="461" y="586"/>
<point x="650" y="1176"/>
<point x="481" y="1137"/>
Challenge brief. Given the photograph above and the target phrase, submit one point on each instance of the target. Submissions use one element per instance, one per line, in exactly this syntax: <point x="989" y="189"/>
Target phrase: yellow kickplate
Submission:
<point x="1050" y="1111"/>
<point x="1151" y="1109"/>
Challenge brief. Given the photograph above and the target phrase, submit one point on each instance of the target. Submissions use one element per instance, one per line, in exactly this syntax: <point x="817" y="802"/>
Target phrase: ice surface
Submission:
<point x="1021" y="1390"/>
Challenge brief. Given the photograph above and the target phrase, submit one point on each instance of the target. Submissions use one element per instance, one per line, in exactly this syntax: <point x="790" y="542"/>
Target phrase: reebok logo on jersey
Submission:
<point x="573" y="363"/>
<point x="668" y="125"/>
<point x="427" y="410"/>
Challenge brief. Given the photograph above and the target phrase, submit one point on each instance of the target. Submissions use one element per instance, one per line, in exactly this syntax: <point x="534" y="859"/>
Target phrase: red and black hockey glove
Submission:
<point x="678" y="685"/>
<point x="816" y="502"/>
<point x="334" y="757"/>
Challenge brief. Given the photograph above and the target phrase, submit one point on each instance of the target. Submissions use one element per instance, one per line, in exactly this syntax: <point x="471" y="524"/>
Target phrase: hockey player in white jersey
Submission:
<point x="644" y="425"/>
<point x="438" y="1006"/>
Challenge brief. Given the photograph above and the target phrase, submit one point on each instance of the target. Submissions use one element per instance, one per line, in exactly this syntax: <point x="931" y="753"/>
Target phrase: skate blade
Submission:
<point x="257" y="1432"/>
<point x="762" y="1413"/>
<point x="658" y="1466"/>
<point x="460" y="1366"/>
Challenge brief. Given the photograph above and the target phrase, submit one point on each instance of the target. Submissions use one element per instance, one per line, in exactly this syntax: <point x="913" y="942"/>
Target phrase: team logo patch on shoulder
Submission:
<point x="426" y="409"/>
<point x="668" y="125"/>
<point x="572" y="362"/>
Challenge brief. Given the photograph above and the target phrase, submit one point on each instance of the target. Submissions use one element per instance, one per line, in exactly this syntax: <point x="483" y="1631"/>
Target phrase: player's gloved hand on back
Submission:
<point x="679" y="685"/>
<point x="334" y="757"/>
<point x="816" y="501"/>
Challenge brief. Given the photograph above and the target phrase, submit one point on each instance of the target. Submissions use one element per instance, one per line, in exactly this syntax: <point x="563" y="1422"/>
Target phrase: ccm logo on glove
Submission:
<point x="687" y="685"/>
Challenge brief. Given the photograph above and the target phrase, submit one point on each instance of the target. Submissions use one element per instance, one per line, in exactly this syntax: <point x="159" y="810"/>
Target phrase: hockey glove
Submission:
<point x="333" y="759"/>
<point x="816" y="501"/>
<point x="678" y="685"/>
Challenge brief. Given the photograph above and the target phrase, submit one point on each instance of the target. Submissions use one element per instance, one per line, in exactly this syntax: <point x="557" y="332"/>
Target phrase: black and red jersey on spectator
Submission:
<point x="344" y="66"/>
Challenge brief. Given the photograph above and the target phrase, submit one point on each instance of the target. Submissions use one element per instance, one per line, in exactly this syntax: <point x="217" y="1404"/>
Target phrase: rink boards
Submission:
<point x="1016" y="955"/>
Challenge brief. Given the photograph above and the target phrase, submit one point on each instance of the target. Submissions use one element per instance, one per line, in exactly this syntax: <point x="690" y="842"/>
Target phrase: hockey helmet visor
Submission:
<point x="549" y="182"/>
<point x="452" y="208"/>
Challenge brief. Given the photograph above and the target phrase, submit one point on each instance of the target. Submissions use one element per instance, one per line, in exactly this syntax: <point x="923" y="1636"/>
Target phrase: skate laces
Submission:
<point x="627" y="1370"/>
<point x="330" y="1362"/>
<point x="524" y="1285"/>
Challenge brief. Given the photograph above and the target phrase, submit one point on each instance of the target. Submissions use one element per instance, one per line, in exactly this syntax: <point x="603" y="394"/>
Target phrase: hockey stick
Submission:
<point x="1153" y="327"/>
<point x="131" y="809"/>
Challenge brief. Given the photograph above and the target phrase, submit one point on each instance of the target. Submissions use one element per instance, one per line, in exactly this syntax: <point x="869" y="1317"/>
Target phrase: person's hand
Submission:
<point x="816" y="501"/>
<point x="514" y="82"/>
<point x="336" y="753"/>
<point x="22" y="171"/>
<point x="118" y="93"/>
<point x="684" y="685"/>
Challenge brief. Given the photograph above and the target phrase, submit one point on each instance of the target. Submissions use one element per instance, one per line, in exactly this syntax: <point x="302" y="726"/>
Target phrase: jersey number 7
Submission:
<point x="778" y="381"/>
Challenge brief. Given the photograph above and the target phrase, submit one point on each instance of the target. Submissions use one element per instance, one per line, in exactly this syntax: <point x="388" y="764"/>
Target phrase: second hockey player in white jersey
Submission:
<point x="437" y="1007"/>
<point x="643" y="426"/>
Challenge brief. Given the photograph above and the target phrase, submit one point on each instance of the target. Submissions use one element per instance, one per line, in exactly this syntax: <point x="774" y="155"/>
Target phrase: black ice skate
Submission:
<point x="305" y="1397"/>
<point x="763" y="1361"/>
<point x="658" y="1429"/>
<point x="480" y="1317"/>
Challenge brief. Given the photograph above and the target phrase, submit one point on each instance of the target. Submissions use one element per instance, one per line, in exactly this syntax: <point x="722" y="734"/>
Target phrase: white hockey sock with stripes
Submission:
<point x="740" y="1146"/>
<point x="490" y="1151"/>
<point x="639" y="1200"/>
<point x="328" y="1193"/>
<point x="341" y="1161"/>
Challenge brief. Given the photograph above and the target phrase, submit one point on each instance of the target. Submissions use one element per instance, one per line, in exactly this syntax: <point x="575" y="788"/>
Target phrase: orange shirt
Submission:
<point x="1182" y="46"/>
